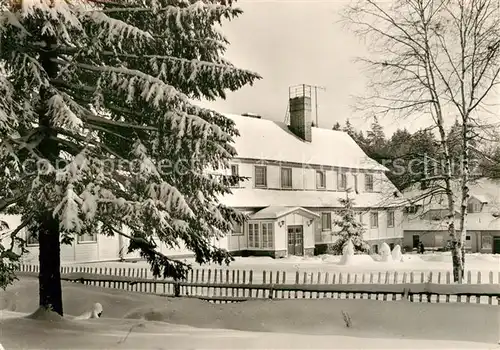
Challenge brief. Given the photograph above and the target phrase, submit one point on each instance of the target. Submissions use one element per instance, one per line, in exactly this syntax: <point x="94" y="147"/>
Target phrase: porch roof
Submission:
<point x="275" y="212"/>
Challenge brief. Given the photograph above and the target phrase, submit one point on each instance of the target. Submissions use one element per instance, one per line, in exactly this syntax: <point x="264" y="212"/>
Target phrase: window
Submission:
<point x="361" y="217"/>
<point x="286" y="177"/>
<point x="326" y="221"/>
<point x="473" y="207"/>
<point x="355" y="183"/>
<point x="320" y="179"/>
<point x="267" y="235"/>
<point x="32" y="238"/>
<point x="87" y="238"/>
<point x="237" y="229"/>
<point x="467" y="238"/>
<point x="390" y="219"/>
<point x="368" y="183"/>
<point x="375" y="249"/>
<point x="343" y="181"/>
<point x="486" y="242"/>
<point x="260" y="236"/>
<point x="391" y="246"/>
<point x="260" y="176"/>
<point x="412" y="209"/>
<point x="374" y="219"/>
<point x="235" y="171"/>
<point x="253" y="235"/>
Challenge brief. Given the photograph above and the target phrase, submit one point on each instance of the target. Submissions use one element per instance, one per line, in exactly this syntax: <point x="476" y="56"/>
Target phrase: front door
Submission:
<point x="416" y="241"/>
<point x="295" y="240"/>
<point x="496" y="245"/>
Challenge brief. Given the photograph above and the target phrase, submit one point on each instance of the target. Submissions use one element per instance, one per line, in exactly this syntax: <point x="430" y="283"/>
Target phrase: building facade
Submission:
<point x="295" y="175"/>
<point x="425" y="220"/>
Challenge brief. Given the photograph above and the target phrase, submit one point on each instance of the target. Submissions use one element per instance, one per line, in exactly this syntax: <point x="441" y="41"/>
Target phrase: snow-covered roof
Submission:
<point x="270" y="140"/>
<point x="261" y="198"/>
<point x="481" y="198"/>
<point x="275" y="212"/>
<point x="483" y="189"/>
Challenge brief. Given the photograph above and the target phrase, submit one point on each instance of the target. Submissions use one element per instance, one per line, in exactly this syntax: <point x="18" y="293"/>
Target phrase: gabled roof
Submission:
<point x="270" y="140"/>
<point x="483" y="189"/>
<point x="276" y="212"/>
<point x="481" y="198"/>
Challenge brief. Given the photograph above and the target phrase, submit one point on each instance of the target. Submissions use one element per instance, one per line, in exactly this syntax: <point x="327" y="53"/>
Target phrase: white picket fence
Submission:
<point x="290" y="277"/>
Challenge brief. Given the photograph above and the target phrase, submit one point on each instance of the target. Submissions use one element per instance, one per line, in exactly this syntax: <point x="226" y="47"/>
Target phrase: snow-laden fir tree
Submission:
<point x="349" y="229"/>
<point x="98" y="131"/>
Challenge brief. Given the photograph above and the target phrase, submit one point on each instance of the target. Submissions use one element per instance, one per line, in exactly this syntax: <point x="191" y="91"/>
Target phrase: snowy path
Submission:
<point x="18" y="333"/>
<point x="159" y="322"/>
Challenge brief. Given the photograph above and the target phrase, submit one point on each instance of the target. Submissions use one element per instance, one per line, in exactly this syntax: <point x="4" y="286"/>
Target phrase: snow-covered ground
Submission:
<point x="139" y="321"/>
<point x="418" y="264"/>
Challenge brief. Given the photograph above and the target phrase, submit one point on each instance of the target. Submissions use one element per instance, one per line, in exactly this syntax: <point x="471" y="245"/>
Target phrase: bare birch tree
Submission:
<point x="439" y="58"/>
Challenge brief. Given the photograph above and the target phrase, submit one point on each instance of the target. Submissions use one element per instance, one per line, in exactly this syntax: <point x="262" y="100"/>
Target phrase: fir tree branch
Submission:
<point x="146" y="246"/>
<point x="14" y="233"/>
<point x="8" y="202"/>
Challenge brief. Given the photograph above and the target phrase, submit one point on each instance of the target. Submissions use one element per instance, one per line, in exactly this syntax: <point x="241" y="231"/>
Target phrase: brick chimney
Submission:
<point x="300" y="111"/>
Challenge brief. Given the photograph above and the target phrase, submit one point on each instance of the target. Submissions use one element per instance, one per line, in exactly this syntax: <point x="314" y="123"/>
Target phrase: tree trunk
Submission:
<point x="50" y="265"/>
<point x="456" y="256"/>
<point x="48" y="227"/>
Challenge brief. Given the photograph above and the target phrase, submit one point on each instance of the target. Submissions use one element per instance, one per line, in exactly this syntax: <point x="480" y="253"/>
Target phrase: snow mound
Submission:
<point x="42" y="314"/>
<point x="385" y="253"/>
<point x="396" y="253"/>
<point x="95" y="312"/>
<point x="358" y="259"/>
<point x="348" y="253"/>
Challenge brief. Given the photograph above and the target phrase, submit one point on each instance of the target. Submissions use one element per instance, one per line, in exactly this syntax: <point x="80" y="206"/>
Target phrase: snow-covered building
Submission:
<point x="296" y="175"/>
<point x="425" y="219"/>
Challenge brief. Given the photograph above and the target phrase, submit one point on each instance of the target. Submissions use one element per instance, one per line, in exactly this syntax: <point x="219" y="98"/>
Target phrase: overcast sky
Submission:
<point x="294" y="42"/>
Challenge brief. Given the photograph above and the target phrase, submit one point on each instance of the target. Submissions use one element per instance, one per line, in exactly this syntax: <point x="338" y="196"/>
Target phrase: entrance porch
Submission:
<point x="281" y="231"/>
